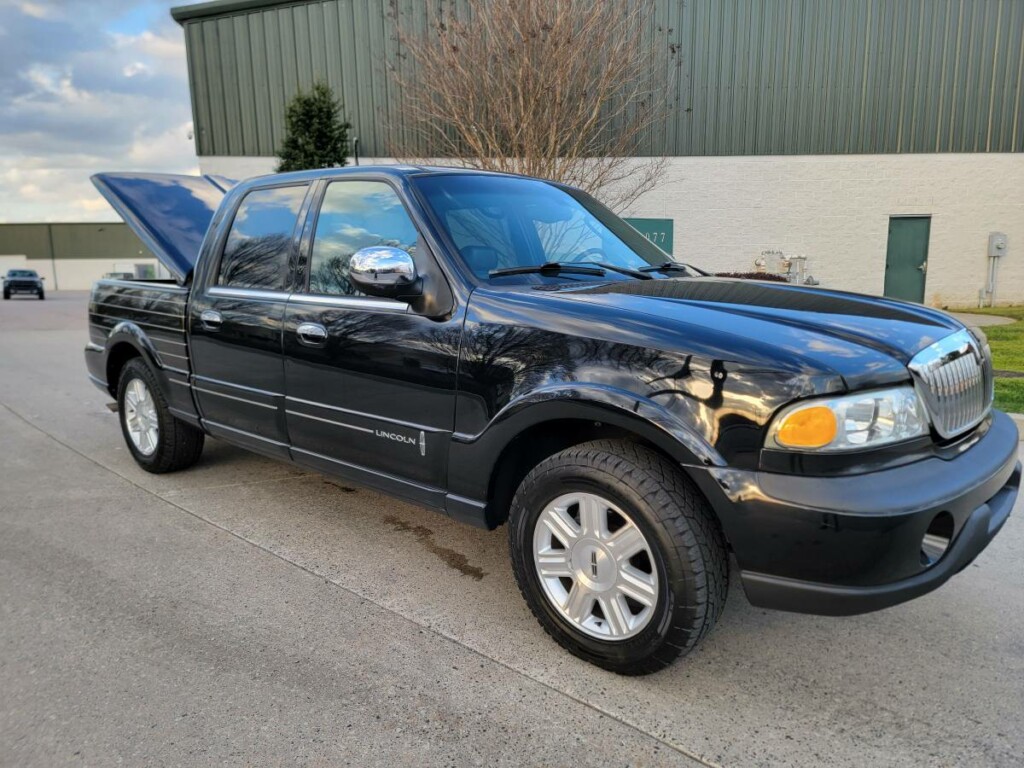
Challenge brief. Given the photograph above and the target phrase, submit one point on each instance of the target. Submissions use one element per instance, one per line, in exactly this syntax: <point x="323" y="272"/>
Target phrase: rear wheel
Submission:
<point x="158" y="441"/>
<point x="618" y="555"/>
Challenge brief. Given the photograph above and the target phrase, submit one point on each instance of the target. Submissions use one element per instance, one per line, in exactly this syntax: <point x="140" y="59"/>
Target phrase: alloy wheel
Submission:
<point x="595" y="566"/>
<point x="140" y="417"/>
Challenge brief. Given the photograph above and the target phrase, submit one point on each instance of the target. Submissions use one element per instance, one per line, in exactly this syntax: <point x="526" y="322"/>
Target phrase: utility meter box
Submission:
<point x="996" y="244"/>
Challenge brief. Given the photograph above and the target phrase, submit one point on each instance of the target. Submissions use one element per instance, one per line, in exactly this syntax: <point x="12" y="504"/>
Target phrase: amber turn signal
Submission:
<point x="812" y="427"/>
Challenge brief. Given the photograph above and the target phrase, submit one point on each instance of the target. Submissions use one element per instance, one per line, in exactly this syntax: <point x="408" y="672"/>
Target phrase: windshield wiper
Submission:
<point x="550" y="267"/>
<point x="673" y="266"/>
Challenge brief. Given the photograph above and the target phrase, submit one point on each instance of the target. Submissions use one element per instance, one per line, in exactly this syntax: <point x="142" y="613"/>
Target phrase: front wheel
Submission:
<point x="158" y="441"/>
<point x="618" y="555"/>
<point x="41" y="294"/>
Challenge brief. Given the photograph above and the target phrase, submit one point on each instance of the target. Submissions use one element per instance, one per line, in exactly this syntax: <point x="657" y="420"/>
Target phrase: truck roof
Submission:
<point x="397" y="171"/>
<point x="171" y="213"/>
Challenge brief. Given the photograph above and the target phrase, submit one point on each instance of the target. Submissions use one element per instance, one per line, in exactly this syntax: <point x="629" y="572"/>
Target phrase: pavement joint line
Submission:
<point x="433" y="630"/>
<point x="283" y="479"/>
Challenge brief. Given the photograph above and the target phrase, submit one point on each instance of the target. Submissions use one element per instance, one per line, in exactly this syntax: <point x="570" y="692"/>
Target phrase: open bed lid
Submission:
<point x="170" y="213"/>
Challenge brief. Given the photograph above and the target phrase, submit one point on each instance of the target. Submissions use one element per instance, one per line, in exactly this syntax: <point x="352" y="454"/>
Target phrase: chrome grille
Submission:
<point x="954" y="379"/>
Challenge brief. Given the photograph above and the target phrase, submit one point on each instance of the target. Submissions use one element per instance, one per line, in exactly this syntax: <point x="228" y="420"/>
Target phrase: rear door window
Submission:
<point x="258" y="252"/>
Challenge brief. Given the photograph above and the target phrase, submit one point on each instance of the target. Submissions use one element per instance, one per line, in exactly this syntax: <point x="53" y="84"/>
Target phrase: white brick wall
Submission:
<point x="834" y="209"/>
<point x="73" y="274"/>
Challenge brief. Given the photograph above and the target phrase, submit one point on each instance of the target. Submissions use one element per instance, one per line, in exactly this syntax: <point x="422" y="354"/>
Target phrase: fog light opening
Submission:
<point x="937" y="539"/>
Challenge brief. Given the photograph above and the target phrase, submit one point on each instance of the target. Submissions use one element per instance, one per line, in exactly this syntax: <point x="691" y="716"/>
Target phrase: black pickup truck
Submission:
<point x="23" y="281"/>
<point x="506" y="350"/>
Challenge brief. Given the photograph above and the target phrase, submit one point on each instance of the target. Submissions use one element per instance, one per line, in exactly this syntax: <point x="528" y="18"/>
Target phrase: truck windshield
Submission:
<point x="509" y="229"/>
<point x="21" y="273"/>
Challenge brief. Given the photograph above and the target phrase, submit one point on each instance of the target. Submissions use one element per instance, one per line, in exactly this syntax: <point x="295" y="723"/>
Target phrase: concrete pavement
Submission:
<point x="247" y="612"/>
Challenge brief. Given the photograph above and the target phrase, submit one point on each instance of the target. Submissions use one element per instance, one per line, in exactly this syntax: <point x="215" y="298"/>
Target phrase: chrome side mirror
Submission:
<point x="384" y="271"/>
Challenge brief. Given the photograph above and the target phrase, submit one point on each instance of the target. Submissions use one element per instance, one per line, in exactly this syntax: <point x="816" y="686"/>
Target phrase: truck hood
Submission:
<point x="865" y="339"/>
<point x="170" y="213"/>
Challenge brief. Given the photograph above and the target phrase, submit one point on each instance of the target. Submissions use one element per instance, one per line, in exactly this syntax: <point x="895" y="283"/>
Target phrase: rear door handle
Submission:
<point x="211" y="319"/>
<point x="312" y="334"/>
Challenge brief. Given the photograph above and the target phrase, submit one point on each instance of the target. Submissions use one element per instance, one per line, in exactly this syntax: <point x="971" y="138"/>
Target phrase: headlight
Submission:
<point x="850" y="422"/>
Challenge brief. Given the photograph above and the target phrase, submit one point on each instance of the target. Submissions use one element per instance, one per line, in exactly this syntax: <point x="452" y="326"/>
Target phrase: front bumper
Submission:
<point x="846" y="545"/>
<point x="23" y="287"/>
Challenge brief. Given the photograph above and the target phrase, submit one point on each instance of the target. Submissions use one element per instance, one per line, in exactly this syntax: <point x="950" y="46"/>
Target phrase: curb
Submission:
<point x="1018" y="419"/>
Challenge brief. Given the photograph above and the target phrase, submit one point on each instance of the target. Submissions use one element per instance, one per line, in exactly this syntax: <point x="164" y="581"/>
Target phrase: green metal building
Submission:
<point x="755" y="77"/>
<point x="875" y="145"/>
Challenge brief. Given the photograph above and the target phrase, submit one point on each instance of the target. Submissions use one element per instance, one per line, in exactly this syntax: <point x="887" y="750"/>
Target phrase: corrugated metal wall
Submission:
<point x="72" y="241"/>
<point x="754" y="76"/>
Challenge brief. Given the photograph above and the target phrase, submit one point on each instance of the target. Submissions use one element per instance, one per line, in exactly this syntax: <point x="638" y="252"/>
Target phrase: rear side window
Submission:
<point x="258" y="250"/>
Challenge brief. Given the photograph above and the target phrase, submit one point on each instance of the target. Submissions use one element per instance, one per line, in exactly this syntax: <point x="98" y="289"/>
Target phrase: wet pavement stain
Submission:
<point x="425" y="536"/>
<point x="343" y="488"/>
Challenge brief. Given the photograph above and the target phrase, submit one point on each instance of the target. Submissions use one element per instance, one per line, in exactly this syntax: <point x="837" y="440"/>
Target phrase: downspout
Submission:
<point x="53" y="256"/>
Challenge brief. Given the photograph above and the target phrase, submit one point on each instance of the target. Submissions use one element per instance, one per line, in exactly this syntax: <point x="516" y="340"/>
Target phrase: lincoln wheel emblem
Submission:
<point x="593" y="564"/>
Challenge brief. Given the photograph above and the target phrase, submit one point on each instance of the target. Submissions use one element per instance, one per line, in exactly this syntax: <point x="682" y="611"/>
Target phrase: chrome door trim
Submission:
<point x="234" y="397"/>
<point x="364" y="415"/>
<point x="251" y="435"/>
<point x="226" y="291"/>
<point x="328" y="421"/>
<point x="242" y="387"/>
<point x="368" y="303"/>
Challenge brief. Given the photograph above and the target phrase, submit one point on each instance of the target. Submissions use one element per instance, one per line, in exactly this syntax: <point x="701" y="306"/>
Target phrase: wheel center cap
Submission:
<point x="593" y="565"/>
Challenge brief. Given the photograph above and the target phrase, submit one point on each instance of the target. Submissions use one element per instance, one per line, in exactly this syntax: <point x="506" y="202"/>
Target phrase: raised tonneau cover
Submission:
<point x="170" y="213"/>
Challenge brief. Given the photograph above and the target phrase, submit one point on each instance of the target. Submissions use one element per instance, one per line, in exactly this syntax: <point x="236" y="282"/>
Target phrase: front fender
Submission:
<point x="473" y="458"/>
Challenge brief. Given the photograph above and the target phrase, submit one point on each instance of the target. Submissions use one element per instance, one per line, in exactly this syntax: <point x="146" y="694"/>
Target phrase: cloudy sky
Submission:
<point x="87" y="86"/>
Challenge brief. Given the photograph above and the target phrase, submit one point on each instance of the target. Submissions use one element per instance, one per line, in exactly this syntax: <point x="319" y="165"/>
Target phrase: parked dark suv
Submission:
<point x="23" y="281"/>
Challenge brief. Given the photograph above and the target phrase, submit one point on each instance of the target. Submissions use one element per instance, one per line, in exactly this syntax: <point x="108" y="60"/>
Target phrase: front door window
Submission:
<point x="355" y="215"/>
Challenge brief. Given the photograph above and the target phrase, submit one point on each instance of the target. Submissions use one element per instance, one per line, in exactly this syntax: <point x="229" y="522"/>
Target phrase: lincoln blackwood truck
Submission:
<point x="506" y="350"/>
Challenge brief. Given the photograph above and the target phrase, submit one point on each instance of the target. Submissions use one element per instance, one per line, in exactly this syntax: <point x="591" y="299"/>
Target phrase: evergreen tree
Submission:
<point x="315" y="134"/>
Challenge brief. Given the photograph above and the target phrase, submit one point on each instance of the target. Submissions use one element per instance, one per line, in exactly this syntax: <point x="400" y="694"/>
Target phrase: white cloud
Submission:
<point x="37" y="11"/>
<point x="135" y="68"/>
<point x="78" y="99"/>
<point x="166" y="46"/>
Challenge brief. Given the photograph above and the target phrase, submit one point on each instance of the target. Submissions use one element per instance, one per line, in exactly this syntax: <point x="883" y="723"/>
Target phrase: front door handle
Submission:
<point x="923" y="266"/>
<point x="211" y="319"/>
<point x="312" y="334"/>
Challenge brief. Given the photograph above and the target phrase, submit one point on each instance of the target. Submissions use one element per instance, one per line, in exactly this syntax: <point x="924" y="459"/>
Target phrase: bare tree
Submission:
<point x="569" y="90"/>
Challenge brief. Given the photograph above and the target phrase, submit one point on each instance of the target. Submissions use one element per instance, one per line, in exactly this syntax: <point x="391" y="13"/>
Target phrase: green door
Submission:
<point x="906" y="258"/>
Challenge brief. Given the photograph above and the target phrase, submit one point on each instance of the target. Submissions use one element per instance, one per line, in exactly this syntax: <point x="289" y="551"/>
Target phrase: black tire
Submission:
<point x="42" y="295"/>
<point x="684" y="538"/>
<point x="178" y="446"/>
<point x="7" y="295"/>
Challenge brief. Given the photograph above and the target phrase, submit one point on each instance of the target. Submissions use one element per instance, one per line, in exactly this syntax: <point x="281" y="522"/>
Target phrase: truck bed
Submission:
<point x="157" y="310"/>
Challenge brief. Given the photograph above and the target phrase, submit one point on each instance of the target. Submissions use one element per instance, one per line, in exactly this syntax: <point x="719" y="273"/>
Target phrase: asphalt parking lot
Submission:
<point x="246" y="612"/>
